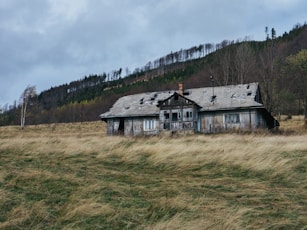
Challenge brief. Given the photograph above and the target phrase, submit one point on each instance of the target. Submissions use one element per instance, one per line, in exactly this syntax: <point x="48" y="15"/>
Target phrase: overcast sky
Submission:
<point x="52" y="42"/>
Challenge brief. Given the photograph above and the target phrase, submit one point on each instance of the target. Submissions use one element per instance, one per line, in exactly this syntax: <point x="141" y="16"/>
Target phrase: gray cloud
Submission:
<point x="52" y="42"/>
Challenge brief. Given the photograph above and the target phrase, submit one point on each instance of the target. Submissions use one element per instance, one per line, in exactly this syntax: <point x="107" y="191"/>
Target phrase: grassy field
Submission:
<point x="71" y="176"/>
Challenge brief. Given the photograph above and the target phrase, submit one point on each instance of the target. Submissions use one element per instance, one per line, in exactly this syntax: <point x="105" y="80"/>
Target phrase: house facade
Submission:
<point x="201" y="110"/>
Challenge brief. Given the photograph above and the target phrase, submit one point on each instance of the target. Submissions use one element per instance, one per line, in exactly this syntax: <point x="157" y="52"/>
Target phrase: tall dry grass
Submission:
<point x="72" y="176"/>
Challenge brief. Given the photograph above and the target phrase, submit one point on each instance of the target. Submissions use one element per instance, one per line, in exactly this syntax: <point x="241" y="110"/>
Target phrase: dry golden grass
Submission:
<point x="71" y="176"/>
<point x="295" y="124"/>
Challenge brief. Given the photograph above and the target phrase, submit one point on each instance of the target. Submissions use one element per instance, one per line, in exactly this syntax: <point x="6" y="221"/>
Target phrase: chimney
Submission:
<point x="180" y="89"/>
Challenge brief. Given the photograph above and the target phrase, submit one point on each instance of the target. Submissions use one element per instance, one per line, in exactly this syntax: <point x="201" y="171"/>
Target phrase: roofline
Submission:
<point x="232" y="108"/>
<point x="132" y="115"/>
<point x="157" y="114"/>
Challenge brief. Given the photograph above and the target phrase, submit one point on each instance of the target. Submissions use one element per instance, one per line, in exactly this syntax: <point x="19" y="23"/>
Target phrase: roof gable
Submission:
<point x="177" y="99"/>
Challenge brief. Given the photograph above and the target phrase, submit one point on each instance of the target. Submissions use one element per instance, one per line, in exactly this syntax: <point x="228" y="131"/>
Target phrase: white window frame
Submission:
<point x="150" y="124"/>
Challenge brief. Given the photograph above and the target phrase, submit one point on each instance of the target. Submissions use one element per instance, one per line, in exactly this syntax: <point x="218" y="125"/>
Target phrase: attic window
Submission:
<point x="249" y="93"/>
<point x="142" y="101"/>
<point x="247" y="86"/>
<point x="176" y="97"/>
<point x="152" y="99"/>
<point x="186" y="93"/>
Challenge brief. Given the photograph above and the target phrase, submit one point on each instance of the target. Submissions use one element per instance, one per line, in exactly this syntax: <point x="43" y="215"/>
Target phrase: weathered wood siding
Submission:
<point x="135" y="126"/>
<point x="110" y="127"/>
<point x="219" y="121"/>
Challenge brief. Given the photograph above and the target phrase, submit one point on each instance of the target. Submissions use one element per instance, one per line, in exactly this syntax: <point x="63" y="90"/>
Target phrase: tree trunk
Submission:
<point x="22" y="117"/>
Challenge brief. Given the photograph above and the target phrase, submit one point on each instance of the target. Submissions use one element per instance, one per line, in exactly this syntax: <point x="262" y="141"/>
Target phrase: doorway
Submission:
<point x="121" y="127"/>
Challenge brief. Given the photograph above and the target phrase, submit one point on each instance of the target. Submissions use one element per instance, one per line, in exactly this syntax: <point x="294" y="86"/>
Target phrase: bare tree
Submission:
<point x="268" y="72"/>
<point x="225" y="61"/>
<point x="243" y="62"/>
<point x="27" y="94"/>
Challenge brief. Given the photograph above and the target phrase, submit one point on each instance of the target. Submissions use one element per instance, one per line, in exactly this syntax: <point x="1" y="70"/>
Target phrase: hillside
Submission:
<point x="71" y="176"/>
<point x="230" y="62"/>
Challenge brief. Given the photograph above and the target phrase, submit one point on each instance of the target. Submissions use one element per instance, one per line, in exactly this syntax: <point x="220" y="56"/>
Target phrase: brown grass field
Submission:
<point x="71" y="176"/>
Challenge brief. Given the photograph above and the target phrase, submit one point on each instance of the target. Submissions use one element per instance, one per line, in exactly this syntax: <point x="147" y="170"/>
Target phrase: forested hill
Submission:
<point x="229" y="62"/>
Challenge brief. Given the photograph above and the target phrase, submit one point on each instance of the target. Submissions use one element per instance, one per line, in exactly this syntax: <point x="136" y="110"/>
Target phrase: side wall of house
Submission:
<point x="138" y="126"/>
<point x="221" y="121"/>
<point x="110" y="127"/>
<point x="133" y="126"/>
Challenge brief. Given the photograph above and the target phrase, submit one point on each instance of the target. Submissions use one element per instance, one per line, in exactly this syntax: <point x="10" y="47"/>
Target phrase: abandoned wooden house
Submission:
<point x="202" y="110"/>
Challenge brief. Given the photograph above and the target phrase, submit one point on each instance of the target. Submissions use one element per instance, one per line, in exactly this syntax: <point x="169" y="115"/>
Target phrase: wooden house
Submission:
<point x="202" y="110"/>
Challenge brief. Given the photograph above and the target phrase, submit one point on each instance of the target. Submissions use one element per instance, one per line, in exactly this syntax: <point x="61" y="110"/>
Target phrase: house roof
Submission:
<point x="208" y="98"/>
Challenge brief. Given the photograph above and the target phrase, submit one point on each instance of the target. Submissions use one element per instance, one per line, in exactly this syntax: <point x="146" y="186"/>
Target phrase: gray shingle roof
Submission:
<point x="226" y="97"/>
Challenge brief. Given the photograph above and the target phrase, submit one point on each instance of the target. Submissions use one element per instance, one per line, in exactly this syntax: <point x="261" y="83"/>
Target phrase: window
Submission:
<point x="175" y="116"/>
<point x="166" y="115"/>
<point x="149" y="124"/>
<point x="189" y="114"/>
<point x="232" y="118"/>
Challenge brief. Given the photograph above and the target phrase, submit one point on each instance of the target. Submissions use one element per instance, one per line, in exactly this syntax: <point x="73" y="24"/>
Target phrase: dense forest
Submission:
<point x="279" y="64"/>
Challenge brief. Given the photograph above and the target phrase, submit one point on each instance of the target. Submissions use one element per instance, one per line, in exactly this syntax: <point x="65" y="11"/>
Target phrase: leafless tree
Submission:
<point x="268" y="72"/>
<point x="243" y="62"/>
<point x="25" y="97"/>
<point x="225" y="61"/>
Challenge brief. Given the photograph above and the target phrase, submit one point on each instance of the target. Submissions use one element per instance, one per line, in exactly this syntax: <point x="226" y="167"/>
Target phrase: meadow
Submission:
<point x="72" y="176"/>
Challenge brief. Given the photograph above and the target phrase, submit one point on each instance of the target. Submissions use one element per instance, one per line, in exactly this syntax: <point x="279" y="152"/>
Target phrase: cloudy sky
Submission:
<point x="51" y="42"/>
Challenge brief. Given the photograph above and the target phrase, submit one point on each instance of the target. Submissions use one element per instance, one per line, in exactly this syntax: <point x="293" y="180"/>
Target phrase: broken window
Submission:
<point x="189" y="115"/>
<point x="232" y="118"/>
<point x="174" y="116"/>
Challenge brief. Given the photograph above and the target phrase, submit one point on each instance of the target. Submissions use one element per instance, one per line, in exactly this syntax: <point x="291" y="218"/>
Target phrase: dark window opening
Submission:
<point x="121" y="126"/>
<point x="175" y="117"/>
<point x="166" y="115"/>
<point x="189" y="114"/>
<point x="176" y="97"/>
